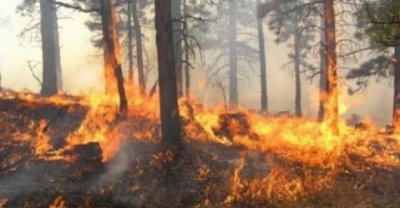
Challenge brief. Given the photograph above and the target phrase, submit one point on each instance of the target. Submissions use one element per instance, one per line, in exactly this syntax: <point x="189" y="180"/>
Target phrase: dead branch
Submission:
<point x="311" y="78"/>
<point x="27" y="30"/>
<point x="58" y="115"/>
<point x="356" y="51"/>
<point x="153" y="89"/>
<point x="185" y="62"/>
<point x="148" y="66"/>
<point x="75" y="7"/>
<point x="219" y="84"/>
<point x="31" y="68"/>
<point x="186" y="38"/>
<point x="183" y="18"/>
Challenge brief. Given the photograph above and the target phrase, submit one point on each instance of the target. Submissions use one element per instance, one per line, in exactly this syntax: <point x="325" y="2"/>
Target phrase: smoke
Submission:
<point x="117" y="167"/>
<point x="83" y="71"/>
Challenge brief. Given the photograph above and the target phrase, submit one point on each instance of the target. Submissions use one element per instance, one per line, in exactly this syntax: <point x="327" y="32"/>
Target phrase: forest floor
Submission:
<point x="209" y="174"/>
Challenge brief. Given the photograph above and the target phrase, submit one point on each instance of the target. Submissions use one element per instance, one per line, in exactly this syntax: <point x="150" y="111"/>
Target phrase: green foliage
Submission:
<point x="375" y="67"/>
<point x="380" y="26"/>
<point x="382" y="20"/>
<point x="283" y="14"/>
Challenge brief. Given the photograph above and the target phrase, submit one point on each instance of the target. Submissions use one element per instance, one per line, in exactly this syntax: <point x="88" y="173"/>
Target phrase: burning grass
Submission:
<point x="69" y="151"/>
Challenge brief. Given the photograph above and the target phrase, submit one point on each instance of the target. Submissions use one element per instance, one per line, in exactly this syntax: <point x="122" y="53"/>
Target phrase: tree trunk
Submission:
<point x="177" y="36"/>
<point x="322" y="76"/>
<point x="110" y="86"/>
<point x="112" y="47"/>
<point x="139" y="48"/>
<point x="170" y="123"/>
<point x="298" y="111"/>
<point x="263" y="65"/>
<point x="322" y="86"/>
<point x="233" y="77"/>
<point x="396" y="96"/>
<point x="1" y="88"/>
<point x="186" y="52"/>
<point x="52" y="77"/>
<point x="130" y="42"/>
<point x="331" y="105"/>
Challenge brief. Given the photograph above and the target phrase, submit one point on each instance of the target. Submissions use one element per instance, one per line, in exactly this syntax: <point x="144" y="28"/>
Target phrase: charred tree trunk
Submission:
<point x="177" y="37"/>
<point x="130" y="42"/>
<point x="322" y="76"/>
<point x="139" y="48"/>
<point x="263" y="64"/>
<point x="170" y="123"/>
<point x="322" y="87"/>
<point x="396" y="96"/>
<point x="331" y="104"/>
<point x="233" y="76"/>
<point x="52" y="77"/>
<point x="112" y="47"/>
<point x="186" y="52"/>
<point x="109" y="84"/>
<point x="298" y="110"/>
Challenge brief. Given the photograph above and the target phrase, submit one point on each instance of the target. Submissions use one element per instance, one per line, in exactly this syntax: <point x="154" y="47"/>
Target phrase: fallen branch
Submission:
<point x="58" y="115"/>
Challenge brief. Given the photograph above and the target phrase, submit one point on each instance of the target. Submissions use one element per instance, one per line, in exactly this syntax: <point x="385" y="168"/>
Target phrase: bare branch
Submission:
<point x="27" y="30"/>
<point x="219" y="84"/>
<point x="75" y="7"/>
<point x="187" y="16"/>
<point x="356" y="51"/>
<point x="31" y="68"/>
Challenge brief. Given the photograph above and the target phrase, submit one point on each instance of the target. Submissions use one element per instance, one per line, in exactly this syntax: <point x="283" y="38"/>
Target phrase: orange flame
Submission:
<point x="303" y="155"/>
<point x="58" y="202"/>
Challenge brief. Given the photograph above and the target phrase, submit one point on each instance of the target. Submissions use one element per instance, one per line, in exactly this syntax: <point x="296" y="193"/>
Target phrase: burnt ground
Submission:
<point x="135" y="177"/>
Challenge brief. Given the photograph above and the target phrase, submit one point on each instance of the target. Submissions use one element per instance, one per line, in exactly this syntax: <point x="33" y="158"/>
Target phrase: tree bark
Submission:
<point x="177" y="37"/>
<point x="186" y="52"/>
<point x="170" y="122"/>
<point x="322" y="88"/>
<point x="139" y="48"/>
<point x="233" y="77"/>
<point x="130" y="42"/>
<point x="52" y="77"/>
<point x="298" y="110"/>
<point x="322" y="75"/>
<point x="396" y="95"/>
<point x="112" y="49"/>
<point x="263" y="65"/>
<point x="331" y="104"/>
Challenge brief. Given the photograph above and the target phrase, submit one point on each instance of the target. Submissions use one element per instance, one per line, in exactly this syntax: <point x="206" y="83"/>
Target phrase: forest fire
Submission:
<point x="133" y="147"/>
<point x="265" y="158"/>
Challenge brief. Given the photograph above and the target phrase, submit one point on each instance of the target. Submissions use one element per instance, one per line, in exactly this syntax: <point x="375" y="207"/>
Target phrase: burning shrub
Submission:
<point x="231" y="125"/>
